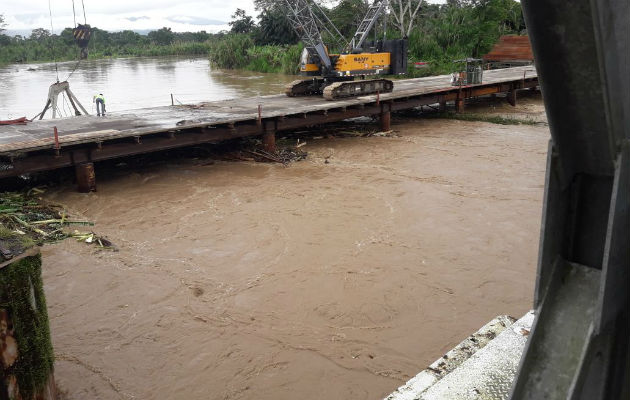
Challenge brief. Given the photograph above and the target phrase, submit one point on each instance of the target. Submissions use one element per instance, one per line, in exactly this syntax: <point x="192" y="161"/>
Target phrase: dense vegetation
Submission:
<point x="42" y="46"/>
<point x="438" y="34"/>
<point x="22" y="296"/>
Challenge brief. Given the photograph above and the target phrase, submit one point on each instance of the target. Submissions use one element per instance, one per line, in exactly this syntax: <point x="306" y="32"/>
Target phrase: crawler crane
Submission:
<point x="333" y="75"/>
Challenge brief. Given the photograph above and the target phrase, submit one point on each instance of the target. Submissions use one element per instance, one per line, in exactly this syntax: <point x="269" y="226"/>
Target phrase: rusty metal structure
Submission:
<point x="510" y="51"/>
<point x="35" y="147"/>
<point x="579" y="346"/>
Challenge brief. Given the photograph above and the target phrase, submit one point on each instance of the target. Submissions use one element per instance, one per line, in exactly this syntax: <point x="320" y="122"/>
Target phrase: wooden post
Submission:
<point x="442" y="106"/>
<point x="459" y="105"/>
<point x="511" y="97"/>
<point x="86" y="178"/>
<point x="269" y="137"/>
<point x="386" y="119"/>
<point x="56" y="136"/>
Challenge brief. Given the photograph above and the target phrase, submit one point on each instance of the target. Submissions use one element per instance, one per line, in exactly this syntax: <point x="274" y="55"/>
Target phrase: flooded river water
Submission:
<point x="129" y="83"/>
<point x="338" y="277"/>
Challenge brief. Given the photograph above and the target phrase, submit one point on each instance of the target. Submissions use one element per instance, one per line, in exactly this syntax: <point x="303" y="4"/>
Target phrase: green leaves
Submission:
<point x="461" y="29"/>
<point x="238" y="51"/>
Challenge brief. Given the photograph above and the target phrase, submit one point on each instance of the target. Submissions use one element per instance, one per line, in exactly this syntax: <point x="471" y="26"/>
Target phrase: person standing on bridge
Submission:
<point x="100" y="104"/>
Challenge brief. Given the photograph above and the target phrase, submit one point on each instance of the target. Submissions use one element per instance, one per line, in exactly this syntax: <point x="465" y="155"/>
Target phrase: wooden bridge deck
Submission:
<point x="32" y="147"/>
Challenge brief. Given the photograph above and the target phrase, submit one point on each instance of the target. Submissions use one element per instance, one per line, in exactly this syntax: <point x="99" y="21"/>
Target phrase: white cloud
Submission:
<point x="183" y="15"/>
<point x="180" y="16"/>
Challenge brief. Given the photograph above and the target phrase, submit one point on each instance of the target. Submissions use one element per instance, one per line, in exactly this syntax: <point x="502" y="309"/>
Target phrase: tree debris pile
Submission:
<point x="250" y="149"/>
<point x="351" y="128"/>
<point x="26" y="221"/>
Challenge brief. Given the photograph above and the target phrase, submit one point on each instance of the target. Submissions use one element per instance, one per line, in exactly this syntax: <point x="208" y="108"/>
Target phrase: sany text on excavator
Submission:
<point x="333" y="75"/>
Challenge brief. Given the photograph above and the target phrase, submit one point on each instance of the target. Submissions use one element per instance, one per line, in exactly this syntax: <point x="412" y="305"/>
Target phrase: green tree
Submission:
<point x="162" y="36"/>
<point x="274" y="28"/>
<point x="241" y="22"/>
<point x="463" y="28"/>
<point x="126" y="38"/>
<point x="347" y="16"/>
<point x="39" y="34"/>
<point x="67" y="37"/>
<point x="4" y="39"/>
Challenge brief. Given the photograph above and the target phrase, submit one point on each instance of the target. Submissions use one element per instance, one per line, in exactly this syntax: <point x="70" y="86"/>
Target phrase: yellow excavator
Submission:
<point x="333" y="75"/>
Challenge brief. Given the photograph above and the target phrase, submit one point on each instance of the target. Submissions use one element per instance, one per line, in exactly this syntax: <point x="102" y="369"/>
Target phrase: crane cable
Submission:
<point x="52" y="31"/>
<point x="75" y="25"/>
<point x="84" y="18"/>
<point x="74" y="14"/>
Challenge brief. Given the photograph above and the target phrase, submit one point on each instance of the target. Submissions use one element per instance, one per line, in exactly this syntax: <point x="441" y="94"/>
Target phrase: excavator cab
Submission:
<point x="310" y="64"/>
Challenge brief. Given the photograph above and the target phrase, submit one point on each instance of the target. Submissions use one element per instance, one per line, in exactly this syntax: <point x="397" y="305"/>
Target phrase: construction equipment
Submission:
<point x="53" y="96"/>
<point x="470" y="72"/>
<point x="82" y="34"/>
<point x="333" y="74"/>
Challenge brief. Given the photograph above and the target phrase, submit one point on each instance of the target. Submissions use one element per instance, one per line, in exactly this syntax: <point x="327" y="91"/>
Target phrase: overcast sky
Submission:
<point x="114" y="15"/>
<point x="179" y="15"/>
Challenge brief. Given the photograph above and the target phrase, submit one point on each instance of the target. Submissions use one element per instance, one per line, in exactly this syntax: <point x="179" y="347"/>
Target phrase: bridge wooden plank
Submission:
<point x="38" y="135"/>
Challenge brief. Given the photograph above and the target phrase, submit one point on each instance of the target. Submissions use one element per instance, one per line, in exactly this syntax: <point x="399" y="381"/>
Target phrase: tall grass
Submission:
<point x="240" y="52"/>
<point x="231" y="52"/>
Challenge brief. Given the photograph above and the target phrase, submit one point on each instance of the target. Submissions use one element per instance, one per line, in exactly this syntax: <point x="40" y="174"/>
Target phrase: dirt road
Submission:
<point x="322" y="280"/>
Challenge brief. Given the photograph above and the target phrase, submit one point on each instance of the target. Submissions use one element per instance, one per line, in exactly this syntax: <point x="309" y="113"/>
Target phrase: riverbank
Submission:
<point x="339" y="277"/>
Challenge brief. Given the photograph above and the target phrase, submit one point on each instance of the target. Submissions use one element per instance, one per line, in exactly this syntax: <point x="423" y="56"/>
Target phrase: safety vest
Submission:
<point x="99" y="97"/>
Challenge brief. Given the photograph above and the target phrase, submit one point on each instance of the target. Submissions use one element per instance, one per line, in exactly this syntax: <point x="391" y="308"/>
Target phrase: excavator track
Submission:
<point x="340" y="90"/>
<point x="303" y="87"/>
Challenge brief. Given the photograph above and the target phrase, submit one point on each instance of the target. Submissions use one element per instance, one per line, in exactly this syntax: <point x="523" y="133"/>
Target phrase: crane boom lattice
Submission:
<point x="304" y="23"/>
<point x="366" y="25"/>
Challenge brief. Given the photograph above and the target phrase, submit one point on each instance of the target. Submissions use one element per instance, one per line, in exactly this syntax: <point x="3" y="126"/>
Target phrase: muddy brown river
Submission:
<point x="338" y="277"/>
<point x="128" y="83"/>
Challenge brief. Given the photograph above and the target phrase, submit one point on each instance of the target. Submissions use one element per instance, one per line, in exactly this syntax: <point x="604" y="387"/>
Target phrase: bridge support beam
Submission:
<point x="459" y="105"/>
<point x="442" y="106"/>
<point x="511" y="97"/>
<point x="86" y="178"/>
<point x="386" y="121"/>
<point x="386" y="117"/>
<point x="269" y="137"/>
